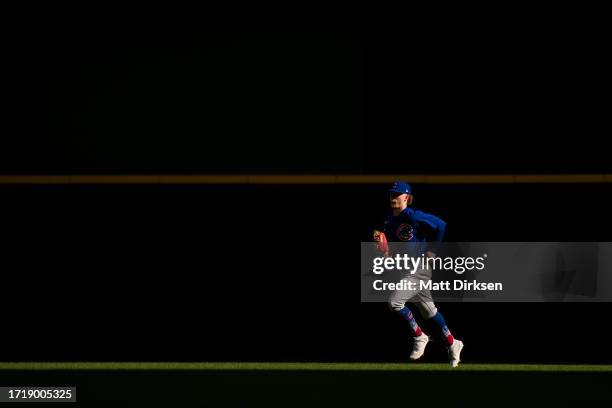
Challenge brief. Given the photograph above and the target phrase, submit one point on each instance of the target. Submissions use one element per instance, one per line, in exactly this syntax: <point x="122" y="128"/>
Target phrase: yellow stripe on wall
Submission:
<point x="306" y="179"/>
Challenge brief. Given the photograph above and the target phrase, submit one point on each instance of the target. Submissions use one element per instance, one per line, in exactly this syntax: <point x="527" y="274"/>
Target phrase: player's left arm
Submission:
<point x="440" y="229"/>
<point x="436" y="228"/>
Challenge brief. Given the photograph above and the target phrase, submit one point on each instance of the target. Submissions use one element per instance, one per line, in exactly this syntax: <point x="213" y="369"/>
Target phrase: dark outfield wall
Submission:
<point x="151" y="272"/>
<point x="187" y="101"/>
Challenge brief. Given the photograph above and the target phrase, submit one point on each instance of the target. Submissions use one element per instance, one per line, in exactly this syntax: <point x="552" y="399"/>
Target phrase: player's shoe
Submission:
<point x="454" y="352"/>
<point x="418" y="346"/>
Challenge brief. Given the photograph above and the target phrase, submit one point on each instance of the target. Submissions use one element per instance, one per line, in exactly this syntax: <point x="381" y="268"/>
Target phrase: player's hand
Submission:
<point x="382" y="244"/>
<point x="430" y="254"/>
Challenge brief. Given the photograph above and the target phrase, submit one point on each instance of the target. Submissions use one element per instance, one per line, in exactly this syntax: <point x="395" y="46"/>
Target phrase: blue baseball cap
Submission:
<point x="400" y="187"/>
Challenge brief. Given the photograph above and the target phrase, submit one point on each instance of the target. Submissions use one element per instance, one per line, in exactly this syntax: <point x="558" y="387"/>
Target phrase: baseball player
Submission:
<point x="424" y="232"/>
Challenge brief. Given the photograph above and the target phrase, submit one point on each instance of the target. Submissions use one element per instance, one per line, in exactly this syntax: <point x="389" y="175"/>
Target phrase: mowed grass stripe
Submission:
<point x="297" y="366"/>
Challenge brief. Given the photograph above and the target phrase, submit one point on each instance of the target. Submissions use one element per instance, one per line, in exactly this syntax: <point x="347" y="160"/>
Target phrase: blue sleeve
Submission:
<point x="440" y="230"/>
<point x="436" y="228"/>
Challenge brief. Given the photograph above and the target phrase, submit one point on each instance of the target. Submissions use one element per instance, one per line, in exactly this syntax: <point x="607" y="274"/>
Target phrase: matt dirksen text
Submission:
<point x="456" y="284"/>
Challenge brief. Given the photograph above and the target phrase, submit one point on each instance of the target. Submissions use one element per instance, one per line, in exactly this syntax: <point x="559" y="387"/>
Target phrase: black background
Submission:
<point x="113" y="96"/>
<point x="265" y="272"/>
<point x="148" y="273"/>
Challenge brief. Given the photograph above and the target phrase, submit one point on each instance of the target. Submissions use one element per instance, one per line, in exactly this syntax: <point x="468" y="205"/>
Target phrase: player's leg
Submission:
<point x="397" y="302"/>
<point x="429" y="311"/>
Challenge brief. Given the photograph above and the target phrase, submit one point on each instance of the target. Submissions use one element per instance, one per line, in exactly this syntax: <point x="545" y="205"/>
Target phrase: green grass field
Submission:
<point x="299" y="366"/>
<point x="318" y="384"/>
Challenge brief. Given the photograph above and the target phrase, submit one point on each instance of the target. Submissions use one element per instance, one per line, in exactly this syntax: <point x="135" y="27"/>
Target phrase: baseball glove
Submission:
<point x="381" y="242"/>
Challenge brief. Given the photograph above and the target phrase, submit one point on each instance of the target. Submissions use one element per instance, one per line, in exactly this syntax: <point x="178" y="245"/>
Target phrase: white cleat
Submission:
<point x="454" y="352"/>
<point x="418" y="346"/>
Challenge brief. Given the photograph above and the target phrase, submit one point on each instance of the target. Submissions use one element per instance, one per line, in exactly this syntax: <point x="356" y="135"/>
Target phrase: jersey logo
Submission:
<point x="404" y="232"/>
